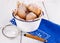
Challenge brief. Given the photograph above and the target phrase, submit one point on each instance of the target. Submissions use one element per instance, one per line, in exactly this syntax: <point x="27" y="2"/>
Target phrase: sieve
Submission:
<point x="10" y="31"/>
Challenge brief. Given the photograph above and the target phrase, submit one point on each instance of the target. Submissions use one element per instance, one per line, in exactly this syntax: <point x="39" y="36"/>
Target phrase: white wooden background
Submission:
<point x="6" y="7"/>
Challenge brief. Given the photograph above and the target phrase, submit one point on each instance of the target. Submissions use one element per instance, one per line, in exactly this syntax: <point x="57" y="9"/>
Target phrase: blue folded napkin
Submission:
<point x="47" y="30"/>
<point x="13" y="21"/>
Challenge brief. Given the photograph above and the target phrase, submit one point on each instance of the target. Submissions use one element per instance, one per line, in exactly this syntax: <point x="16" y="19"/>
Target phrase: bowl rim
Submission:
<point x="42" y="13"/>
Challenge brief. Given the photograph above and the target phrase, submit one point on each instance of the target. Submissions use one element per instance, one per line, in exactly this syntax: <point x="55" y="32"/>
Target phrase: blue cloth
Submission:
<point x="48" y="30"/>
<point x="52" y="29"/>
<point x="13" y="21"/>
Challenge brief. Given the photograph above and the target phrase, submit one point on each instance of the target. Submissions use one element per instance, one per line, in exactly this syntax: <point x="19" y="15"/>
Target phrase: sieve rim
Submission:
<point x="6" y="35"/>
